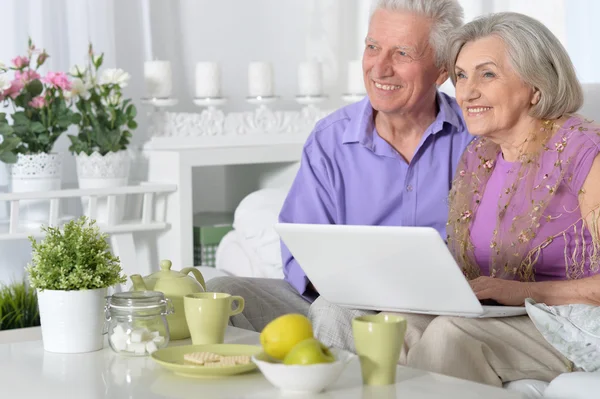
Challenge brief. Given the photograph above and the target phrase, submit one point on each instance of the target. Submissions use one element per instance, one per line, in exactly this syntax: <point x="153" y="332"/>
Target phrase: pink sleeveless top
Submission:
<point x="562" y="213"/>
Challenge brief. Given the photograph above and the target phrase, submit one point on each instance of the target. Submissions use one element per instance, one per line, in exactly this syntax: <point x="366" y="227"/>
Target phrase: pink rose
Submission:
<point x="27" y="76"/>
<point x="58" y="80"/>
<point x="14" y="89"/>
<point x="20" y="62"/>
<point x="38" y="102"/>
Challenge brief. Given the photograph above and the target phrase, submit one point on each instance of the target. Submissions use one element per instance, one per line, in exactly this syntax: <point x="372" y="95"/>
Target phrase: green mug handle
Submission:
<point x="240" y="305"/>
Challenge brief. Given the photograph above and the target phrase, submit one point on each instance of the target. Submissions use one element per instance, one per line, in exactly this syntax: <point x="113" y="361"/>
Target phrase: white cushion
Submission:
<point x="574" y="330"/>
<point x="577" y="385"/>
<point x="209" y="272"/>
<point x="531" y="389"/>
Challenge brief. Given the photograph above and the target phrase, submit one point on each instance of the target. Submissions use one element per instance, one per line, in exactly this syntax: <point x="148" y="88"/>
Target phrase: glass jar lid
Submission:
<point x="137" y="300"/>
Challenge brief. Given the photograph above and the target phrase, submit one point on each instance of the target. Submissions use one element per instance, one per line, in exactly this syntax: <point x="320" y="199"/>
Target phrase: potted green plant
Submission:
<point x="71" y="269"/>
<point x="106" y="120"/>
<point x="40" y="114"/>
<point x="18" y="306"/>
<point x="9" y="142"/>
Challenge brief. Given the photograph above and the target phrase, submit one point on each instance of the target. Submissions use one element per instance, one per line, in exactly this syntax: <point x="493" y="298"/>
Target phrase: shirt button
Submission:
<point x="409" y="188"/>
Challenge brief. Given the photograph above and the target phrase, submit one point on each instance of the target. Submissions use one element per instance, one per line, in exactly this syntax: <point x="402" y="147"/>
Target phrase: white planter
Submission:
<point x="97" y="171"/>
<point x="36" y="172"/>
<point x="72" y="321"/>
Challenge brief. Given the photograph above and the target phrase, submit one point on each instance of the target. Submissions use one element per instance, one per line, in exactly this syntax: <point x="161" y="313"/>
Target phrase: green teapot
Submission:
<point x="174" y="285"/>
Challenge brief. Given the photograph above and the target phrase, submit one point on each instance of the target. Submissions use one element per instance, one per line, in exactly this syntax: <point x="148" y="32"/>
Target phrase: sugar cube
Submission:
<point x="137" y="336"/>
<point x="158" y="340"/>
<point x="119" y="341"/>
<point x="151" y="347"/>
<point x="139" y="348"/>
<point x="118" y="330"/>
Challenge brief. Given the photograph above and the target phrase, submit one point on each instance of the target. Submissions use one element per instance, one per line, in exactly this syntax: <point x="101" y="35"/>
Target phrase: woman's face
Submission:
<point x="495" y="101"/>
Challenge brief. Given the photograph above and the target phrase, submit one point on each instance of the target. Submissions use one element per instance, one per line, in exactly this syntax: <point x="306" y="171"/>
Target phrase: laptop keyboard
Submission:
<point x="490" y="302"/>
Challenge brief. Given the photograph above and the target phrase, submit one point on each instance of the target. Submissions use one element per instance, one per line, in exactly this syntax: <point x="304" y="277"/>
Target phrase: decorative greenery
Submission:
<point x="76" y="258"/>
<point x="41" y="112"/>
<point x="18" y="307"/>
<point x="8" y="141"/>
<point x="105" y="118"/>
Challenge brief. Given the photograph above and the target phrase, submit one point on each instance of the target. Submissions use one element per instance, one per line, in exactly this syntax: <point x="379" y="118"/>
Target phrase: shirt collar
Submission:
<point x="363" y="130"/>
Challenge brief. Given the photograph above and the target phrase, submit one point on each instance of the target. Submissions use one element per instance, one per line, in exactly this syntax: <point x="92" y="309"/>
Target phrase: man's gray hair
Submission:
<point x="536" y="55"/>
<point x="446" y="15"/>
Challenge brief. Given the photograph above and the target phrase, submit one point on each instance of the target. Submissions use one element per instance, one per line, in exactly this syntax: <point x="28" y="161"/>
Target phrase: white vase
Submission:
<point x="72" y="321"/>
<point x="35" y="172"/>
<point x="103" y="171"/>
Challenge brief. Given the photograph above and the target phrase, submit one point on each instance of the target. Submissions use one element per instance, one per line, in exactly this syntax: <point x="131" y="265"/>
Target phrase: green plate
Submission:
<point x="172" y="359"/>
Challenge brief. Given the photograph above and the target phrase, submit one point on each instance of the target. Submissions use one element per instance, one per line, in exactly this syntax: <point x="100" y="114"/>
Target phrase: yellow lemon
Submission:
<point x="282" y="334"/>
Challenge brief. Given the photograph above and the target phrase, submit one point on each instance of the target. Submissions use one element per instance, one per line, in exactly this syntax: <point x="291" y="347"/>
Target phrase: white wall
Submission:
<point x="231" y="32"/>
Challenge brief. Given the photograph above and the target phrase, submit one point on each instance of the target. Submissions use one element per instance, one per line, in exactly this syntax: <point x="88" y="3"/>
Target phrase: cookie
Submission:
<point x="201" y="357"/>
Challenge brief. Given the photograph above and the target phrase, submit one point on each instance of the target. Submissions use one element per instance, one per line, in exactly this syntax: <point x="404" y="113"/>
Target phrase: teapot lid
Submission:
<point x="166" y="272"/>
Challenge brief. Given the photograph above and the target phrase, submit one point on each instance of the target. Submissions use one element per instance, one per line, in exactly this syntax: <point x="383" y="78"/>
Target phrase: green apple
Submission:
<point x="309" y="351"/>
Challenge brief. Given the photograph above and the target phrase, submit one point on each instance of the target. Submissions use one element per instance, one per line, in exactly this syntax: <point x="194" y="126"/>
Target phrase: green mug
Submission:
<point x="207" y="315"/>
<point x="378" y="340"/>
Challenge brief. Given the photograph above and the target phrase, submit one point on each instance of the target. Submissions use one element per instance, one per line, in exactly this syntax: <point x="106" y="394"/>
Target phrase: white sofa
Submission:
<point x="250" y="252"/>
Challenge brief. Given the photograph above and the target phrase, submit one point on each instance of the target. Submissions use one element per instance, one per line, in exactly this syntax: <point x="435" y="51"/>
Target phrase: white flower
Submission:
<point x="96" y="58"/>
<point x="112" y="100"/>
<point x="78" y="70"/>
<point x="80" y="89"/>
<point x="1" y="139"/>
<point x="114" y="76"/>
<point x="3" y="66"/>
<point x="5" y="82"/>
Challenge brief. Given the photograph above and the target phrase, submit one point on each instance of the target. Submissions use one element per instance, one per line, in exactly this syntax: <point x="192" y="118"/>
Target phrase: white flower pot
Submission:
<point x="36" y="172"/>
<point x="98" y="171"/>
<point x="72" y="321"/>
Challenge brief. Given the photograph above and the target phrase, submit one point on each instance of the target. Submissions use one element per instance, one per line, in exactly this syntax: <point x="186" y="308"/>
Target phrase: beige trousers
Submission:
<point x="490" y="351"/>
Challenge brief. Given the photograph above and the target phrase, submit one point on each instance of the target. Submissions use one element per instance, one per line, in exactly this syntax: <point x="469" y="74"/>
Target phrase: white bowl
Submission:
<point x="303" y="379"/>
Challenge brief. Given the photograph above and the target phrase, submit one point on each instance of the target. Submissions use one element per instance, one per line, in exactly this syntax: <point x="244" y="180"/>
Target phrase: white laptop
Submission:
<point x="397" y="269"/>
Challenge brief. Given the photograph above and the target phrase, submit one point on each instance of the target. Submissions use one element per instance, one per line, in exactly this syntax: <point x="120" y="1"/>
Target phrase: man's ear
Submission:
<point x="537" y="96"/>
<point x="442" y="77"/>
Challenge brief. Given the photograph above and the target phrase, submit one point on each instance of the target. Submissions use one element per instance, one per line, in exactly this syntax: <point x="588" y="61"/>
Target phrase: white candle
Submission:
<point x="356" y="82"/>
<point x="260" y="79"/>
<point x="147" y="28"/>
<point x="208" y="80"/>
<point x="310" y="79"/>
<point x="157" y="75"/>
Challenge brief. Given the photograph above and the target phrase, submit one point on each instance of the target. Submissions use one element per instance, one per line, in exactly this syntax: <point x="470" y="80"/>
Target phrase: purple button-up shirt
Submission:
<point x="350" y="175"/>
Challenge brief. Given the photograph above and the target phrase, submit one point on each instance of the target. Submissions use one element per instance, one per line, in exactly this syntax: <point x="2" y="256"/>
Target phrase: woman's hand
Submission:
<point x="506" y="292"/>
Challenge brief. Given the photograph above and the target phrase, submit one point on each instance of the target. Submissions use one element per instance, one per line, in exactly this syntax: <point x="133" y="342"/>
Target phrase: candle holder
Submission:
<point x="310" y="100"/>
<point x="310" y="114"/>
<point x="156" y="115"/>
<point x="212" y="119"/>
<point x="210" y="102"/>
<point x="159" y="102"/>
<point x="261" y="101"/>
<point x="353" y="97"/>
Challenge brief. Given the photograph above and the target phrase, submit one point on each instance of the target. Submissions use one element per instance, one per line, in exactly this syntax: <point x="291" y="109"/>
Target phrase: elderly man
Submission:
<point x="386" y="160"/>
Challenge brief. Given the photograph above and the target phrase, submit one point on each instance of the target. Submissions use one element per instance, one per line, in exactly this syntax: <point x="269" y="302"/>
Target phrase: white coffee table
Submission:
<point x="27" y="371"/>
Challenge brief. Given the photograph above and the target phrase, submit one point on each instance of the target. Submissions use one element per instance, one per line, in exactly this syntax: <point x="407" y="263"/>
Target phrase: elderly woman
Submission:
<point x="523" y="212"/>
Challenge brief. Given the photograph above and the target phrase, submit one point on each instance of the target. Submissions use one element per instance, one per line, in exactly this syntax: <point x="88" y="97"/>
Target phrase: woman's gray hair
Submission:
<point x="446" y="15"/>
<point x="536" y="55"/>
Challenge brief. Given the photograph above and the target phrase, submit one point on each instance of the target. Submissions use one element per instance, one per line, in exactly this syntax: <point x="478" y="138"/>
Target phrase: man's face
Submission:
<point x="399" y="63"/>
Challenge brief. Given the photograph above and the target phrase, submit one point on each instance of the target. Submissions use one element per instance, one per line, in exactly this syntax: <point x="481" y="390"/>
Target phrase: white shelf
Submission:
<point x="15" y="229"/>
<point x="89" y="192"/>
<point x="225" y="141"/>
<point x="123" y="227"/>
<point x="232" y="155"/>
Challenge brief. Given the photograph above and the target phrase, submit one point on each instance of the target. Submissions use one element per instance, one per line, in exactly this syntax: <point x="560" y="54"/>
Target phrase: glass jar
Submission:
<point x="136" y="322"/>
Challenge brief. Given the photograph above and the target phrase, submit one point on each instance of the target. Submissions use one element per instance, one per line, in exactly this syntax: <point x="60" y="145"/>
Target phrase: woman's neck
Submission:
<point x="513" y="142"/>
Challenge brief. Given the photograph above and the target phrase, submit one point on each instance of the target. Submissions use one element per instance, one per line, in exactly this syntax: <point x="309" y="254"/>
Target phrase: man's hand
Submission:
<point x="506" y="292"/>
